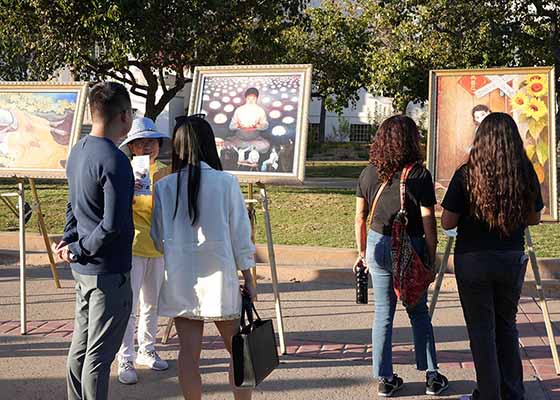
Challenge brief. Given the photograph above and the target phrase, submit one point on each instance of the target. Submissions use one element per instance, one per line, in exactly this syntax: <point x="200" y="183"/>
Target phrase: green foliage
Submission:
<point x="338" y="151"/>
<point x="413" y="37"/>
<point x="334" y="38"/>
<point x="300" y="216"/>
<point x="342" y="133"/>
<point x="111" y="39"/>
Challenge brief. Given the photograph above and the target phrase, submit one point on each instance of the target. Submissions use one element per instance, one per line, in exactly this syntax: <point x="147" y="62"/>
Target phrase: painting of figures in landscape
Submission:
<point x="38" y="126"/>
<point x="259" y="116"/>
<point x="461" y="99"/>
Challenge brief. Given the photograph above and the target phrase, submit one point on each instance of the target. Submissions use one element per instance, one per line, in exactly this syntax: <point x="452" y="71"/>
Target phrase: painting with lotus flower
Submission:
<point x="459" y="101"/>
<point x="259" y="117"/>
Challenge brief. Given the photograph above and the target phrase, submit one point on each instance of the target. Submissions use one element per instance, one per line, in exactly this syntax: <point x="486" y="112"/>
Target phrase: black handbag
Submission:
<point x="254" y="350"/>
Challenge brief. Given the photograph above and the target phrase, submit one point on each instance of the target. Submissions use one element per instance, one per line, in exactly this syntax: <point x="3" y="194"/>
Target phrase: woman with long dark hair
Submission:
<point x="491" y="200"/>
<point x="200" y="224"/>
<point x="396" y="146"/>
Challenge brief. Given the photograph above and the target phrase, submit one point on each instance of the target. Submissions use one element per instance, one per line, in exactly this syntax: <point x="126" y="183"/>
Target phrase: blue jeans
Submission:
<point x="378" y="258"/>
<point x="490" y="284"/>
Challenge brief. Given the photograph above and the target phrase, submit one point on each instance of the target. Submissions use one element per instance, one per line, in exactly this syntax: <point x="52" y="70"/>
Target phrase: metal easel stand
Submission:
<point x="20" y="194"/>
<point x="538" y="283"/>
<point x="273" y="273"/>
<point x="440" y="274"/>
<point x="544" y="306"/>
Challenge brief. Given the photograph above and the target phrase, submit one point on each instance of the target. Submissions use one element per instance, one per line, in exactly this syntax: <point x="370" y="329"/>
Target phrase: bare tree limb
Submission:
<point x="162" y="80"/>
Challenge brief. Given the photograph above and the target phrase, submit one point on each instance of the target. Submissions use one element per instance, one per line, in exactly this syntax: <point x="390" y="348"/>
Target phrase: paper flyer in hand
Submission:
<point x="141" y="168"/>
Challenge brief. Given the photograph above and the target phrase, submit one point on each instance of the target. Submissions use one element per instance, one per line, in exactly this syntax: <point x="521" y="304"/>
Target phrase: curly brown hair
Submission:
<point x="396" y="144"/>
<point x="501" y="181"/>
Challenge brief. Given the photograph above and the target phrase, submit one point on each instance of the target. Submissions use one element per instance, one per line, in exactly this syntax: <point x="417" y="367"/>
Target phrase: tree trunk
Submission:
<point x="150" y="110"/>
<point x="322" y="121"/>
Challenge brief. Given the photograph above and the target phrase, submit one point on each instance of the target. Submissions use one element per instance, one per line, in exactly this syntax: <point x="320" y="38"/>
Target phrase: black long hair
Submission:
<point x="193" y="142"/>
<point x="501" y="180"/>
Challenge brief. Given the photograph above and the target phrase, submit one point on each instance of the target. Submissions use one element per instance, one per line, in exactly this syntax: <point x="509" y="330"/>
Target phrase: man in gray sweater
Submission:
<point x="97" y="242"/>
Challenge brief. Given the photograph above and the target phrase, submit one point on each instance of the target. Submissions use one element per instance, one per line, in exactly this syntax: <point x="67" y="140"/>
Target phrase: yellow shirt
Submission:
<point x="143" y="246"/>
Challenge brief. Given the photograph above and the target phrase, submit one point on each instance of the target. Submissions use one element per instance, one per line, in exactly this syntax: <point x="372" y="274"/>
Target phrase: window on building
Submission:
<point x="360" y="133"/>
<point x="313" y="132"/>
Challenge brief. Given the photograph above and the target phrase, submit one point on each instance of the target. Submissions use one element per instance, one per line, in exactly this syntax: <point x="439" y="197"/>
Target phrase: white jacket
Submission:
<point x="202" y="260"/>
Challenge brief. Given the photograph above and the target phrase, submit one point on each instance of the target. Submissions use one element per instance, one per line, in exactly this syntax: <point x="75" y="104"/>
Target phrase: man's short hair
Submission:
<point x="252" y="91"/>
<point x="107" y="99"/>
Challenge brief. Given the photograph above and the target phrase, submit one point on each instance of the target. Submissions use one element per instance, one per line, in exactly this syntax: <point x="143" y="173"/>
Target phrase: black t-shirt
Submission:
<point x="472" y="233"/>
<point x="419" y="192"/>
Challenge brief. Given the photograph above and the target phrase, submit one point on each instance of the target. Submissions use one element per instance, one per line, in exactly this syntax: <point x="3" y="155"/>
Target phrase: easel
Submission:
<point x="250" y="202"/>
<point x="538" y="283"/>
<point x="41" y="221"/>
<point x="20" y="213"/>
<point x="272" y="263"/>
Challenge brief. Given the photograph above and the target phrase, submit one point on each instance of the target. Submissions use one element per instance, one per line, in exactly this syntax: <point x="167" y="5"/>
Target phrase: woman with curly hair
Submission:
<point x="395" y="146"/>
<point x="491" y="199"/>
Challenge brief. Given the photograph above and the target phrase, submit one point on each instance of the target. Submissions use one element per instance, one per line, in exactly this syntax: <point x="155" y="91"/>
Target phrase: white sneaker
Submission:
<point x="127" y="373"/>
<point x="151" y="359"/>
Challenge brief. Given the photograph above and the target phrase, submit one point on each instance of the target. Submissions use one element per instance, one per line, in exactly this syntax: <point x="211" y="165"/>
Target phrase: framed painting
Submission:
<point x="459" y="101"/>
<point x="259" y="117"/>
<point x="39" y="124"/>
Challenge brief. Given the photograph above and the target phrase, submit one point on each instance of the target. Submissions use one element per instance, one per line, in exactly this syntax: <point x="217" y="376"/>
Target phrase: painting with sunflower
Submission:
<point x="460" y="99"/>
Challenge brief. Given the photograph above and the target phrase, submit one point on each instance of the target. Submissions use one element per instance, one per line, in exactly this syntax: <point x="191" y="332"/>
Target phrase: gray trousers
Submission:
<point x="103" y="306"/>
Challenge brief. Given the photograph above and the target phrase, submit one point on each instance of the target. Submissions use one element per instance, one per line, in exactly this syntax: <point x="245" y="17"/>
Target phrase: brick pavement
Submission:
<point x="537" y="360"/>
<point x="327" y="335"/>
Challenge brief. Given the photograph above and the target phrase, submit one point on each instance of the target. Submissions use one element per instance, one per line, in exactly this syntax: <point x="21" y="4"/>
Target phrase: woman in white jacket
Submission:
<point x="200" y="224"/>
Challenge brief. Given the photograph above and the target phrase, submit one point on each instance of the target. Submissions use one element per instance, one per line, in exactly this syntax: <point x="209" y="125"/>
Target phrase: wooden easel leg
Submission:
<point x="441" y="274"/>
<point x="167" y="331"/>
<point x="544" y="306"/>
<point x="251" y="211"/>
<point x="43" y="230"/>
<point x="272" y="261"/>
<point x="9" y="204"/>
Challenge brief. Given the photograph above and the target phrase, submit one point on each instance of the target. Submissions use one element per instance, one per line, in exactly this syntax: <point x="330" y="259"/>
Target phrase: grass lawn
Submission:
<point x="339" y="169"/>
<point x="300" y="216"/>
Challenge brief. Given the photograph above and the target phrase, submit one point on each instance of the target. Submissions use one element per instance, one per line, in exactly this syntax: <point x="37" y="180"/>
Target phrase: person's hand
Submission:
<point x="65" y="254"/>
<point x="61" y="250"/>
<point x="360" y="262"/>
<point x="56" y="247"/>
<point x="137" y="184"/>
<point x="249" y="290"/>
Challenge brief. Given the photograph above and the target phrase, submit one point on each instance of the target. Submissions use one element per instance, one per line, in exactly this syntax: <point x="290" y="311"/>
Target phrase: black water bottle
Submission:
<point x="361" y="284"/>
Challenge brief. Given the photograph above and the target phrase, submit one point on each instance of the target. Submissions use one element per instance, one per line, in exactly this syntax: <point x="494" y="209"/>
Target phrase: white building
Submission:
<point x="355" y="122"/>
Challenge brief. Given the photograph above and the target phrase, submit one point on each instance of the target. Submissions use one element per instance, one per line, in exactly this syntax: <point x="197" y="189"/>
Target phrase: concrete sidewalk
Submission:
<point x="328" y="336"/>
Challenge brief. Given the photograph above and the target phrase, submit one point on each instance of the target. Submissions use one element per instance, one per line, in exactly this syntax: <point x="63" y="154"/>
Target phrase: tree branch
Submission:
<point x="162" y="80"/>
<point x="147" y="72"/>
<point x="169" y="94"/>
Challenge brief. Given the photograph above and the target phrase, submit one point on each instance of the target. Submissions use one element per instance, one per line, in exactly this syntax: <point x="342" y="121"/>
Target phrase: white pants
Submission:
<point x="146" y="277"/>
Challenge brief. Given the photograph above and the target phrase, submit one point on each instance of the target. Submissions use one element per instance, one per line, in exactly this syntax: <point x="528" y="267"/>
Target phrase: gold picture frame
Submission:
<point x="259" y="115"/>
<point x="459" y="98"/>
<point x="39" y="124"/>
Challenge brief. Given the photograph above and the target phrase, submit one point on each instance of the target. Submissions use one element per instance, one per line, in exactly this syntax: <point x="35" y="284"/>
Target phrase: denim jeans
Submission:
<point x="490" y="284"/>
<point x="378" y="258"/>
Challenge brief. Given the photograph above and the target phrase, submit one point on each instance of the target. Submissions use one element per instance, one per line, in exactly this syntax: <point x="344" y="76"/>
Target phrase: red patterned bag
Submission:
<point x="411" y="277"/>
